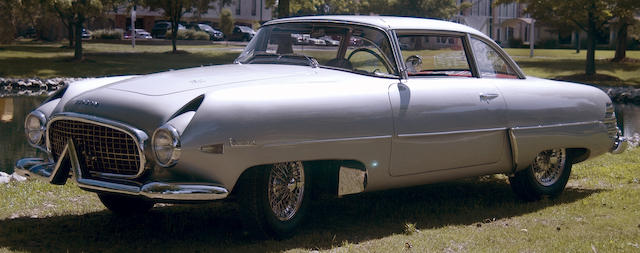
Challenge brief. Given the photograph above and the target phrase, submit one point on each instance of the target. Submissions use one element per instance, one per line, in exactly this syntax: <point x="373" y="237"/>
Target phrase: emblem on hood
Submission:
<point x="87" y="102"/>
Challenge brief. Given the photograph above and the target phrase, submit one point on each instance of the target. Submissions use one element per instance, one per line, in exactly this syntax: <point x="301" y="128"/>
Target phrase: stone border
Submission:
<point x="623" y="95"/>
<point x="32" y="86"/>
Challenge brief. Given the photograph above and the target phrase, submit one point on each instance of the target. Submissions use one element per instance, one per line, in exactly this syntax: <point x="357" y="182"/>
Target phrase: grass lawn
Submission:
<point x="46" y="60"/>
<point x="29" y="59"/>
<point x="560" y="63"/>
<point x="599" y="211"/>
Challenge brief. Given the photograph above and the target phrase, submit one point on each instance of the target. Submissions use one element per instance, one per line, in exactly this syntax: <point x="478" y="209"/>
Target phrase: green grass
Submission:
<point x="46" y="60"/>
<point x="599" y="210"/>
<point x="555" y="63"/>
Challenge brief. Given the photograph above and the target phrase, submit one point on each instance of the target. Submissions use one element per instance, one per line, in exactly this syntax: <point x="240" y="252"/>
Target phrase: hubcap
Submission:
<point x="548" y="166"/>
<point x="286" y="189"/>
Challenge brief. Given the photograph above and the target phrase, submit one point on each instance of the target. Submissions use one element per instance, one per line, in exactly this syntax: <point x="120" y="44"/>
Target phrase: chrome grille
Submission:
<point x="100" y="149"/>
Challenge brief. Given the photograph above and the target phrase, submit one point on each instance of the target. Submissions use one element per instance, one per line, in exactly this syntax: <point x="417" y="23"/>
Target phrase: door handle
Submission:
<point x="486" y="97"/>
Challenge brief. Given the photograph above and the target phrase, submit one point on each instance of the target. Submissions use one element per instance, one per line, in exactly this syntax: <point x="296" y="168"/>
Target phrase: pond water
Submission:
<point x="14" y="146"/>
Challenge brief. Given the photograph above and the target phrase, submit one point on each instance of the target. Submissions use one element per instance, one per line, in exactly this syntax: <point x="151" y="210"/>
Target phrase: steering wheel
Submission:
<point x="363" y="49"/>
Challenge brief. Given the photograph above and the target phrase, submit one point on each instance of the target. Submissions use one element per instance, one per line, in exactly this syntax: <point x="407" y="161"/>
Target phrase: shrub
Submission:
<point x="107" y="34"/>
<point x="190" y="35"/>
<point x="226" y="22"/>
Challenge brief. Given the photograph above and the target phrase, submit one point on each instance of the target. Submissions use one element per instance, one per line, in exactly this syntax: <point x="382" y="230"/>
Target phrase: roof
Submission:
<point x="388" y="22"/>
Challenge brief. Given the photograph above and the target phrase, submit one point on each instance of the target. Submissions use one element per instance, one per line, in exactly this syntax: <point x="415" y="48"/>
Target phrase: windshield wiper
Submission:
<point x="310" y="61"/>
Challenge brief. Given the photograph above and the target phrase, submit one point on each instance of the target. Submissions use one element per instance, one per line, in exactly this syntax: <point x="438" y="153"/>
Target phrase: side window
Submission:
<point x="490" y="63"/>
<point x="434" y="55"/>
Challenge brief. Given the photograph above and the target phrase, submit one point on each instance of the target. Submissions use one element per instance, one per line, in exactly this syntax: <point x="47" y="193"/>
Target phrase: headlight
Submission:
<point x="166" y="145"/>
<point x="34" y="126"/>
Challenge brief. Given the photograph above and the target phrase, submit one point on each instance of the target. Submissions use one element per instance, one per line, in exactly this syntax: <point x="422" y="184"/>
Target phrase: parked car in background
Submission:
<point x="287" y="120"/>
<point x="160" y="29"/>
<point x="213" y="33"/>
<point x="86" y="34"/>
<point x="140" y="34"/>
<point x="242" y="33"/>
<point x="330" y="41"/>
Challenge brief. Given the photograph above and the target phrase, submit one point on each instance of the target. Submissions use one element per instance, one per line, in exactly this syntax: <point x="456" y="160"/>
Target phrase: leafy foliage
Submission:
<point x="190" y="34"/>
<point x="226" y="22"/>
<point x="175" y="9"/>
<point x="591" y="16"/>
<point x="107" y="34"/>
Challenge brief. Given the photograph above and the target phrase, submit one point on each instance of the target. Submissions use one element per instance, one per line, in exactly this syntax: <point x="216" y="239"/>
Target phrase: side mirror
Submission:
<point x="413" y="63"/>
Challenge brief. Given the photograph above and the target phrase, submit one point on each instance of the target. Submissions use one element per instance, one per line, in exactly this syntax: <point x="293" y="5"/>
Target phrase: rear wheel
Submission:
<point x="546" y="176"/>
<point x="125" y="205"/>
<point x="276" y="198"/>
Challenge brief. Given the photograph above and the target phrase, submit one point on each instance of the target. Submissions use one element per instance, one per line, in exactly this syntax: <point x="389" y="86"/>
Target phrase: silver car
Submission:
<point x="286" y="120"/>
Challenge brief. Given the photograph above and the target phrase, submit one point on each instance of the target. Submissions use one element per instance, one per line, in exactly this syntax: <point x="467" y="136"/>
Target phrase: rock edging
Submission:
<point x="32" y="86"/>
<point x="6" y="178"/>
<point x="623" y="95"/>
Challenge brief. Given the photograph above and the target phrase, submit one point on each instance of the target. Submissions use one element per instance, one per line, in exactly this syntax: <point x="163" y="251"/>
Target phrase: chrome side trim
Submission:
<point x="328" y="140"/>
<point x="351" y="181"/>
<point x="453" y="132"/>
<point x="557" y="125"/>
<point x="139" y="137"/>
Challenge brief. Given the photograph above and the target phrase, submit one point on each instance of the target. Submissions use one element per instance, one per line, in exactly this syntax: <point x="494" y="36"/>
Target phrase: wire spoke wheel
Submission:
<point x="548" y="166"/>
<point x="286" y="189"/>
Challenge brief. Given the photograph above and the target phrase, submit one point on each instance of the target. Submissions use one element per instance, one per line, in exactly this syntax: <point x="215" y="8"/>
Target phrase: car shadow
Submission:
<point x="216" y="227"/>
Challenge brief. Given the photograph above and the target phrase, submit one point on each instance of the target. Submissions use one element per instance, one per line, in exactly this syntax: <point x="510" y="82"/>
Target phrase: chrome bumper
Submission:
<point x="159" y="191"/>
<point x="620" y="144"/>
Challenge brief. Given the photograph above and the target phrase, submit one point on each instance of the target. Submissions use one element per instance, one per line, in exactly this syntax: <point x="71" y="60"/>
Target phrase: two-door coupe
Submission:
<point x="399" y="102"/>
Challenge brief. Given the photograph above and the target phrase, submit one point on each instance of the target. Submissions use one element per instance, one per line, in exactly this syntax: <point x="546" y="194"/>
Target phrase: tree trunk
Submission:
<point x="621" y="42"/>
<point x="283" y="8"/>
<point x="174" y="34"/>
<point x="70" y="28"/>
<point x="78" y="38"/>
<point x="590" y="68"/>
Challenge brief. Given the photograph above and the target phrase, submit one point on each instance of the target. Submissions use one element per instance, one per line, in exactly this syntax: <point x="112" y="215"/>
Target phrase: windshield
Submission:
<point x="353" y="48"/>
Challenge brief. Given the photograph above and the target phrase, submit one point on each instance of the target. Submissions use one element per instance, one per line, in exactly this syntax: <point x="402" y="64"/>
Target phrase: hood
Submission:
<point x="165" y="83"/>
<point x="146" y="102"/>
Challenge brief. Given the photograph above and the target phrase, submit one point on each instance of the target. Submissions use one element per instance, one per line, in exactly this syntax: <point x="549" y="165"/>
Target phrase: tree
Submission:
<point x="73" y="14"/>
<point x="590" y="16"/>
<point x="226" y="22"/>
<point x="175" y="9"/>
<point x="624" y="12"/>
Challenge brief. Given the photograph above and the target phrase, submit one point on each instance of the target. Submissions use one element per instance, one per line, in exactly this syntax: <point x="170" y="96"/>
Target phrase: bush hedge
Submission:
<point x="190" y="34"/>
<point x="107" y="34"/>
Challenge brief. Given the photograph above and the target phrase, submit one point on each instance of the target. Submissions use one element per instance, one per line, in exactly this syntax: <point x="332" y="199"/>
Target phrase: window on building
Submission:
<point x="238" y="7"/>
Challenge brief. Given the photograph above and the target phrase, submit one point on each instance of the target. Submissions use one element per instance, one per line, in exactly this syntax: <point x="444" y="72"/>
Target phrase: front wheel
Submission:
<point x="546" y="176"/>
<point x="276" y="198"/>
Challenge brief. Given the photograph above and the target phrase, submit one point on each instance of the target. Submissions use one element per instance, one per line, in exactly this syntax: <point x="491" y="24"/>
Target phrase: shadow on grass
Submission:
<point x="38" y="48"/>
<point x="106" y="64"/>
<point x="217" y="227"/>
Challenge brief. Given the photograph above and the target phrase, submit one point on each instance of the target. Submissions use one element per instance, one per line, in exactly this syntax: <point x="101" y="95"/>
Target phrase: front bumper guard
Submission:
<point x="620" y="144"/>
<point x="41" y="169"/>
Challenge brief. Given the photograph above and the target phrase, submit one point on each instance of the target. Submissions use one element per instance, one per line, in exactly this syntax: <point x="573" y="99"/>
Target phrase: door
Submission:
<point x="443" y="118"/>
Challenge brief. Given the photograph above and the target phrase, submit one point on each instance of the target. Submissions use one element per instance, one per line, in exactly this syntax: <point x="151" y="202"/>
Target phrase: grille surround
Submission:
<point x="91" y="141"/>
